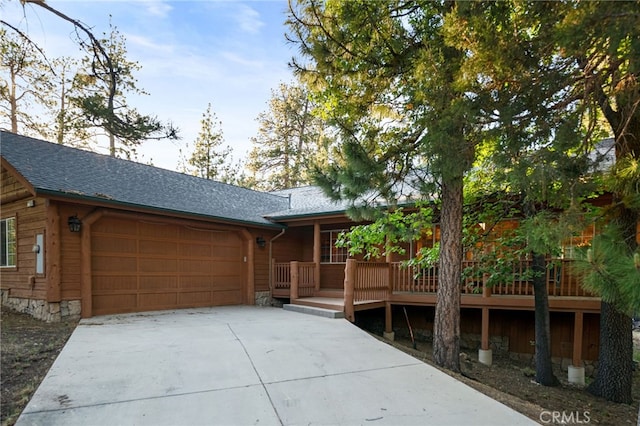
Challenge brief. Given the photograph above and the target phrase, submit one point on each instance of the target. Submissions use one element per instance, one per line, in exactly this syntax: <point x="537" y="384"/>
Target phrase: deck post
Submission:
<point x="485" y="354"/>
<point x="295" y="279"/>
<point x="316" y="254"/>
<point x="388" y="323"/>
<point x="349" y="288"/>
<point x="576" y="370"/>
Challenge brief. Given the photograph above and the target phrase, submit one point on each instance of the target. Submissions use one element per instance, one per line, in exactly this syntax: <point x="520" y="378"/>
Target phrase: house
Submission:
<point x="88" y="234"/>
<point x="85" y="234"/>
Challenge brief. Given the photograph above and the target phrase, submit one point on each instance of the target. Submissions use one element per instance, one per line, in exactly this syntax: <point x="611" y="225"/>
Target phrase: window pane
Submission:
<point x="8" y="242"/>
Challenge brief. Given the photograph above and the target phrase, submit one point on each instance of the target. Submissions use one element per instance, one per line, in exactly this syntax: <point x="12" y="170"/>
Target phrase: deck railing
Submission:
<point x="377" y="280"/>
<point x="281" y="276"/>
<point x="560" y="280"/>
<point x="306" y="281"/>
<point x="371" y="281"/>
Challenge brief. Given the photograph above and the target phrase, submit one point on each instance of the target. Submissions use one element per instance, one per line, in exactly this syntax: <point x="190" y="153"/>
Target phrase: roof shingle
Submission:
<point x="69" y="172"/>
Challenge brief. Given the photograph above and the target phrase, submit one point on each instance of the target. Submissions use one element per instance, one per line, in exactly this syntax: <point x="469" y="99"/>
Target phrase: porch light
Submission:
<point x="74" y="223"/>
<point x="260" y="241"/>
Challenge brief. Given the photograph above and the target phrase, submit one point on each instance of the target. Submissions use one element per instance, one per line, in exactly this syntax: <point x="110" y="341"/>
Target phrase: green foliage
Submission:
<point x="104" y="83"/>
<point x="388" y="233"/>
<point x="24" y="84"/>
<point x="210" y="158"/>
<point x="611" y="271"/>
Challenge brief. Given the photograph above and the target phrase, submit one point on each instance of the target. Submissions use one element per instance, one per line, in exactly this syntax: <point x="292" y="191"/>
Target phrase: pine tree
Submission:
<point x="210" y="158"/>
<point x="25" y="84"/>
<point x="385" y="77"/>
<point x="290" y="139"/>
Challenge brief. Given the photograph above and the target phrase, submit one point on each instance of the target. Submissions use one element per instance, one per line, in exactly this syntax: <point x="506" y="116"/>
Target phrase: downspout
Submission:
<point x="270" y="261"/>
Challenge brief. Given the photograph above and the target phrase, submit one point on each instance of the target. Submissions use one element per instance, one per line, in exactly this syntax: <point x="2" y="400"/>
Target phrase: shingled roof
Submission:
<point x="57" y="170"/>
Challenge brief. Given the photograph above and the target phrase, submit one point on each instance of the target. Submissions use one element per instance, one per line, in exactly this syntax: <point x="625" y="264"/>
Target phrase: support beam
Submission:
<point x="575" y="371"/>
<point x="349" y="289"/>
<point x="485" y="354"/>
<point x="388" y="323"/>
<point x="316" y="254"/>
<point x="578" y="326"/>
<point x="295" y="280"/>
<point x="85" y="262"/>
<point x="249" y="295"/>
<point x="52" y="251"/>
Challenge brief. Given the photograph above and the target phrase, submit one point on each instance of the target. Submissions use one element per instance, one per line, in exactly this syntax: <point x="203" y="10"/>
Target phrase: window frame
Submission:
<point x="333" y="251"/>
<point x="6" y="254"/>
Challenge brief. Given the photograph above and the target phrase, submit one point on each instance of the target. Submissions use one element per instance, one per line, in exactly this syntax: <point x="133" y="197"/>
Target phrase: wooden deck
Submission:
<point x="370" y="285"/>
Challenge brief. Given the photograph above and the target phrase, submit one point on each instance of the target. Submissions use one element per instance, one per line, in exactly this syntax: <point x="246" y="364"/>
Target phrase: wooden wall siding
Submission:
<point x="261" y="261"/>
<point x="22" y="281"/>
<point x="296" y="244"/>
<point x="139" y="265"/>
<point x="70" y="252"/>
<point x="332" y="276"/>
<point x="12" y="188"/>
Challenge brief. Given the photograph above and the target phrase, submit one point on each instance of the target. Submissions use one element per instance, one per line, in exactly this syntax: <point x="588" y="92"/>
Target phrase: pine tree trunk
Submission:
<point x="446" y="328"/>
<point x="615" y="358"/>
<point x="544" y="367"/>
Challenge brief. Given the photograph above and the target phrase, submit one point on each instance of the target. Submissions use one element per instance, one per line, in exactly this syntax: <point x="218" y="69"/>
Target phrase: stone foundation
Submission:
<point x="263" y="298"/>
<point x="590" y="367"/>
<point x="43" y="310"/>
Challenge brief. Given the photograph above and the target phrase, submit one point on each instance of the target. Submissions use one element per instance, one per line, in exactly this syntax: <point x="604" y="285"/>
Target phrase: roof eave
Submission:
<point x="168" y="212"/>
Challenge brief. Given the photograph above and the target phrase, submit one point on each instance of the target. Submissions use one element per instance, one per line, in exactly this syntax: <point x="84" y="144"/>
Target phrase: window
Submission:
<point x="329" y="253"/>
<point x="570" y="245"/>
<point x="8" y="242"/>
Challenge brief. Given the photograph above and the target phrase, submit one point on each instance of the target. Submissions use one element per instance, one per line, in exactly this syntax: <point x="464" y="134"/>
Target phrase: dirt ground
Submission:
<point x="512" y="383"/>
<point x="29" y="348"/>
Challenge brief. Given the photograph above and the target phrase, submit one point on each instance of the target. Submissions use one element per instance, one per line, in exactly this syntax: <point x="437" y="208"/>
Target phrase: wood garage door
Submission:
<point x="143" y="266"/>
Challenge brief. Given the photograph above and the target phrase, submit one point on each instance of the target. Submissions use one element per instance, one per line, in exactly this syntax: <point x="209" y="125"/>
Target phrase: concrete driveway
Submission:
<point x="246" y="365"/>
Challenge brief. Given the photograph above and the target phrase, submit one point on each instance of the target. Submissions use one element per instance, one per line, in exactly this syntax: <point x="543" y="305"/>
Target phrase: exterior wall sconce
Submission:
<point x="74" y="223"/>
<point x="260" y="241"/>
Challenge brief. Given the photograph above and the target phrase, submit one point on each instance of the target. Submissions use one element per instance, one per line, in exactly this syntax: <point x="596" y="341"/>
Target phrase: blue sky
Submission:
<point x="225" y="52"/>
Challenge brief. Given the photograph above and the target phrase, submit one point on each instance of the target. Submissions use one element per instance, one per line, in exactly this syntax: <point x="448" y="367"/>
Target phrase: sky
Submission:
<point x="229" y="53"/>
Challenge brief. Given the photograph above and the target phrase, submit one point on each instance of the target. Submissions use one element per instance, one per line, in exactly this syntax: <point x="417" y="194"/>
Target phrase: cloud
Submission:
<point x="148" y="44"/>
<point x="157" y="8"/>
<point x="248" y="19"/>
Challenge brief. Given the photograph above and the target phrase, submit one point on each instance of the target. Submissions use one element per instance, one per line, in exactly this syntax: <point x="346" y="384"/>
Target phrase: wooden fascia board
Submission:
<point x="158" y="212"/>
<point x="309" y="221"/>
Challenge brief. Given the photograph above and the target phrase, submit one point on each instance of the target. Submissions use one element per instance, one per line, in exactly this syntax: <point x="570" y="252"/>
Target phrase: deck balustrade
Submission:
<point x="367" y="282"/>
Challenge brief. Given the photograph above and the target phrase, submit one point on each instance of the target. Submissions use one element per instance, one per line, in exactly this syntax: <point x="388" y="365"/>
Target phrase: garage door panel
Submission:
<point x="113" y="244"/>
<point x="115" y="227"/>
<point x="227" y="252"/>
<point x="116" y="264"/>
<point x="158" y="282"/>
<point x="113" y="283"/>
<point x="151" y="266"/>
<point x="231" y="297"/>
<point x="221" y="268"/>
<point x="164" y="230"/>
<point x="165" y="248"/>
<point x="195" y="298"/>
<point x="194" y="250"/>
<point x="148" y="301"/>
<point x="226" y="283"/>
<point x="114" y="303"/>
<point x="197" y="266"/>
<point x="161" y="265"/>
